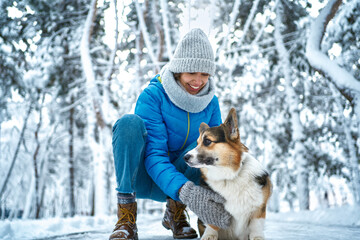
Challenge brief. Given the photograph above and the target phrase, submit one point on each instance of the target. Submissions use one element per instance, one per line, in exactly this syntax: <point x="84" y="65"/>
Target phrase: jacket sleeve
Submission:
<point x="216" y="114"/>
<point x="157" y="162"/>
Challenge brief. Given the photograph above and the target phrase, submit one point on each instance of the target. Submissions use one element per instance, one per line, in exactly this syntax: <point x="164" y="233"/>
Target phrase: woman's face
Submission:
<point x="193" y="82"/>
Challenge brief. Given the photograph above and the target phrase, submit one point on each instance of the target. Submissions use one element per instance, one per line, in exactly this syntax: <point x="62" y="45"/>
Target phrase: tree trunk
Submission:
<point x="21" y="138"/>
<point x="146" y="36"/>
<point x="36" y="161"/>
<point x="160" y="52"/>
<point x="71" y="161"/>
<point x="29" y="198"/>
<point x="164" y="14"/>
<point x="139" y="73"/>
<point x="302" y="178"/>
<point x="96" y="126"/>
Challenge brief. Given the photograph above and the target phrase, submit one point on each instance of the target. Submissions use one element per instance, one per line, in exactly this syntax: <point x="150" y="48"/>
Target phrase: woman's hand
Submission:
<point x="206" y="204"/>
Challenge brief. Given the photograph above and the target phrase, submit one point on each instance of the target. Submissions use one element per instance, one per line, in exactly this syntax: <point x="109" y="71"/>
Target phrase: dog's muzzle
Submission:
<point x="187" y="157"/>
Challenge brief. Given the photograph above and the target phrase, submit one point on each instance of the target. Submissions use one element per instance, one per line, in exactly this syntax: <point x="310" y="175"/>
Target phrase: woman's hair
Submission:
<point x="177" y="76"/>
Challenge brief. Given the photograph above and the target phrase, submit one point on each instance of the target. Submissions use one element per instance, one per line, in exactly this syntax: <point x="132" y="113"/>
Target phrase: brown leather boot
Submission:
<point x="175" y="219"/>
<point x="125" y="228"/>
<point x="201" y="227"/>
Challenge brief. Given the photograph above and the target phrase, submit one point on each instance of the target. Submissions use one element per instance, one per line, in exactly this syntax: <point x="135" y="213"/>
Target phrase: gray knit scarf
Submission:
<point x="181" y="98"/>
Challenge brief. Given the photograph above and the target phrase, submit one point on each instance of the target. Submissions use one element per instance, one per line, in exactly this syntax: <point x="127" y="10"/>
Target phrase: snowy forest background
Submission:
<point x="69" y="69"/>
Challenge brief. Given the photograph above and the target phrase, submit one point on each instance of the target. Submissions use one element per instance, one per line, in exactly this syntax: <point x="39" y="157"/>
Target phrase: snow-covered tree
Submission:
<point x="341" y="74"/>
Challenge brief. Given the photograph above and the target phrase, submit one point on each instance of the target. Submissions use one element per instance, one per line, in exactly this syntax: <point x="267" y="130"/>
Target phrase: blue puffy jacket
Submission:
<point x="170" y="130"/>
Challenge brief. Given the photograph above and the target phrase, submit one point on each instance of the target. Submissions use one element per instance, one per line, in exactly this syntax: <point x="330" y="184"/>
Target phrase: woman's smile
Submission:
<point x="193" y="82"/>
<point x="194" y="87"/>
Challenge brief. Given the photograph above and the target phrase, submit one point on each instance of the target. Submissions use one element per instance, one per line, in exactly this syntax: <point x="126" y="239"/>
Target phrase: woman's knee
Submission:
<point x="129" y="125"/>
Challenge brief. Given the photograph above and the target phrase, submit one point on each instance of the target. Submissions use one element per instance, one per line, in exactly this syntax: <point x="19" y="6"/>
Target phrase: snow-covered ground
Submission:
<point x="335" y="223"/>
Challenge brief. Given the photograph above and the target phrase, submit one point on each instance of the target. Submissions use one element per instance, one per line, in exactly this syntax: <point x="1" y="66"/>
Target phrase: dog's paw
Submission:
<point x="209" y="237"/>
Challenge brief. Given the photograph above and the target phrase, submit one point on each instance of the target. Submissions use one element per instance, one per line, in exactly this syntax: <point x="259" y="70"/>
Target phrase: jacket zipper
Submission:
<point x="188" y="130"/>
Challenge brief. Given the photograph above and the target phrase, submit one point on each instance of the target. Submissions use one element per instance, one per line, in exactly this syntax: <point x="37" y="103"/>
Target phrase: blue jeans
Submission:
<point x="129" y="142"/>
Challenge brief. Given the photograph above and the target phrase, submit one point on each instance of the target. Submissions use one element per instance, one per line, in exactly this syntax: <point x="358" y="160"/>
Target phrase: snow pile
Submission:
<point x="344" y="216"/>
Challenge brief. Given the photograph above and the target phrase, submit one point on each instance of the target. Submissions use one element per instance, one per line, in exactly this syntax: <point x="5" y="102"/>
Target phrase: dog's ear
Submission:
<point x="203" y="127"/>
<point x="231" y="125"/>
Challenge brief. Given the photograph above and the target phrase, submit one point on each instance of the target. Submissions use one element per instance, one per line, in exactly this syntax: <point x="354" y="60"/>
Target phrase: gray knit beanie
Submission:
<point x="193" y="54"/>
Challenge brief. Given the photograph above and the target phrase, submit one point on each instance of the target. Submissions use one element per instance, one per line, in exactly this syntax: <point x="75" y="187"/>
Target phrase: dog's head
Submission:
<point x="218" y="148"/>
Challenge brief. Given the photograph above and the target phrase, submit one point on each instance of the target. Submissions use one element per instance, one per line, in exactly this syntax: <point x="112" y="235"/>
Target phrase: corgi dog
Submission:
<point x="229" y="170"/>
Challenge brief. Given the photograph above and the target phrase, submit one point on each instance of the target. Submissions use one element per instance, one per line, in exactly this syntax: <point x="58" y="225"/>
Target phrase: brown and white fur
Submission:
<point x="231" y="171"/>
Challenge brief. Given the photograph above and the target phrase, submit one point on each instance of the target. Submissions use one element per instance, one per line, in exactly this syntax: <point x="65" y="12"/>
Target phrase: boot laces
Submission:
<point x="180" y="216"/>
<point x="126" y="217"/>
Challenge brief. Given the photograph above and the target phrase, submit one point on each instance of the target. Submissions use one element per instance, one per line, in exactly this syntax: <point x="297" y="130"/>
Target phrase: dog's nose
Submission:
<point x="187" y="157"/>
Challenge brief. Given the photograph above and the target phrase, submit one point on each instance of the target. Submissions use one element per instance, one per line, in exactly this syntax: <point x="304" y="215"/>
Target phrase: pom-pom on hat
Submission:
<point x="193" y="54"/>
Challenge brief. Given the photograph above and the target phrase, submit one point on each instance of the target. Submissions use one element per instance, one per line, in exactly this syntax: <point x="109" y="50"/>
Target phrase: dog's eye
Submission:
<point x="207" y="142"/>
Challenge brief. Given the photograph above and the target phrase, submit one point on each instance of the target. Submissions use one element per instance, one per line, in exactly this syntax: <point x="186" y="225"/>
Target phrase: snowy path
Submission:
<point x="150" y="228"/>
<point x="330" y="224"/>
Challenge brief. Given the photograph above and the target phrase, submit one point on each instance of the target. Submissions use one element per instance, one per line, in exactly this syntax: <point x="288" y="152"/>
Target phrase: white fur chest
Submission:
<point x="242" y="193"/>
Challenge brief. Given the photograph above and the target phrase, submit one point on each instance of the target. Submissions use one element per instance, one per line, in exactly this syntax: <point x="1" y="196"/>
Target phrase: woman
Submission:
<point x="149" y="145"/>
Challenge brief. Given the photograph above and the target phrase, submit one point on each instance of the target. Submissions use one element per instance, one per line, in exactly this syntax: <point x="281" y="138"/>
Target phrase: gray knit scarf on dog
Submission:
<point x="181" y="98"/>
